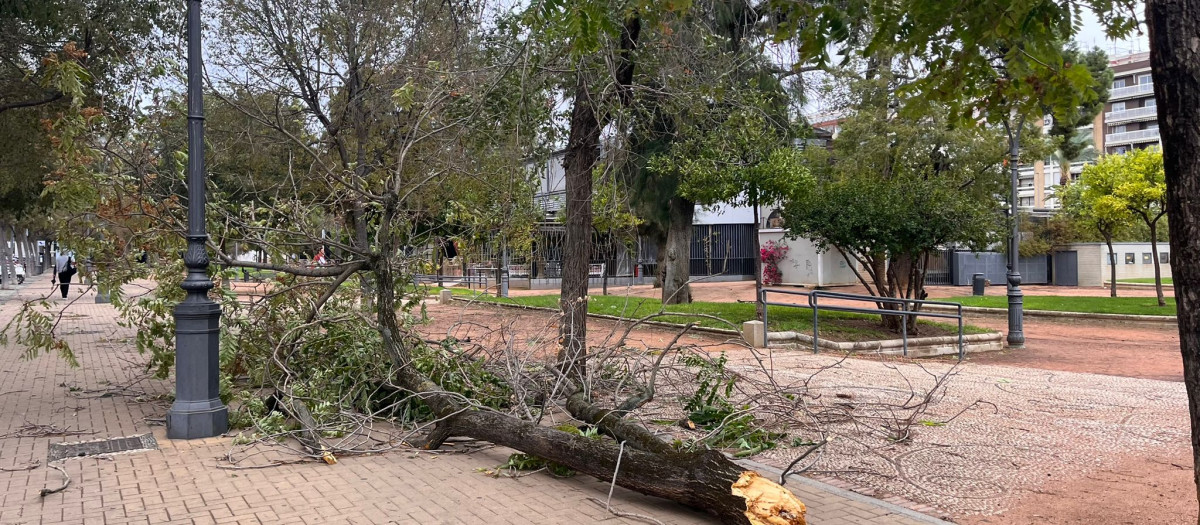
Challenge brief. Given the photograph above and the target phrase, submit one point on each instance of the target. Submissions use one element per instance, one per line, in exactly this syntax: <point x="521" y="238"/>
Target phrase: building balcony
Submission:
<point x="1139" y="90"/>
<point x="1131" y="137"/>
<point x="1146" y="113"/>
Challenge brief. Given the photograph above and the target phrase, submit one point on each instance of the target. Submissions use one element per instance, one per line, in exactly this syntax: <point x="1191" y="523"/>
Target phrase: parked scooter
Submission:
<point x="19" y="270"/>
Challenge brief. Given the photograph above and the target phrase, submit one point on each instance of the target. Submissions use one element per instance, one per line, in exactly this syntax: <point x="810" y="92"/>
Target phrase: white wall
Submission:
<point x="805" y="266"/>
<point x="723" y="214"/>
<point x="1093" y="261"/>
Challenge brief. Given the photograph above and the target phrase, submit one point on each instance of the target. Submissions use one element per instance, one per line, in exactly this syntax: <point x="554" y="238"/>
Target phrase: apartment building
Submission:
<point x="1129" y="121"/>
<point x="1130" y="117"/>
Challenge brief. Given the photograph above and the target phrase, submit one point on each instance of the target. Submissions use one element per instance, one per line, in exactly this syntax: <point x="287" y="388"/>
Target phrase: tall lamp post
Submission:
<point x="197" y="411"/>
<point x="1016" y="333"/>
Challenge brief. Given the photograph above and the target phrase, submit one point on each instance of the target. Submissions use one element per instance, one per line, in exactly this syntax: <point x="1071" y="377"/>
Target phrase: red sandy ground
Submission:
<point x="1137" y="491"/>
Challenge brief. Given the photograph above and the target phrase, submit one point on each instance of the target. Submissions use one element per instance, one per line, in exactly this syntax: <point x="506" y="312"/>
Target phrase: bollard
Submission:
<point x="445" y="297"/>
<point x="752" y="331"/>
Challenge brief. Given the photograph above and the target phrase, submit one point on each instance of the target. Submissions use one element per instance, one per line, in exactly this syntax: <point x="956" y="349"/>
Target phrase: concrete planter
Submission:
<point x="917" y="346"/>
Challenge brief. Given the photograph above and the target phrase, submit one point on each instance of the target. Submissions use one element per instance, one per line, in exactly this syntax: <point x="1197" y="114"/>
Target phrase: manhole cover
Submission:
<point x="101" y="446"/>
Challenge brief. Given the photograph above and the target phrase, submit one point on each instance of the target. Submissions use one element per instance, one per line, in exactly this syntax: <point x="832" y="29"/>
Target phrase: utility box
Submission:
<point x="978" y="284"/>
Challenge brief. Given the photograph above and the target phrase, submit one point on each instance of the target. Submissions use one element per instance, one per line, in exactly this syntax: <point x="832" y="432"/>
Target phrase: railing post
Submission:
<point x="904" y="328"/>
<point x="762" y="297"/>
<point x="812" y="301"/>
<point x="962" y="349"/>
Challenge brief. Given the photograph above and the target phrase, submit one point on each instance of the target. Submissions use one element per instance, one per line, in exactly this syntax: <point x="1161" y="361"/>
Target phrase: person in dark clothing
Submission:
<point x="64" y="268"/>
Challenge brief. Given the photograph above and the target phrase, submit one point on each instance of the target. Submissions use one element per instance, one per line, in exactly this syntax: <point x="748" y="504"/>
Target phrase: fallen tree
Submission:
<point x="703" y="479"/>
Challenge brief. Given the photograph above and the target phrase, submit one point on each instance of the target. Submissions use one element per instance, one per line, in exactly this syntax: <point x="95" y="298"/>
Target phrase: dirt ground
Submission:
<point x="1127" y="349"/>
<point x="1065" y="447"/>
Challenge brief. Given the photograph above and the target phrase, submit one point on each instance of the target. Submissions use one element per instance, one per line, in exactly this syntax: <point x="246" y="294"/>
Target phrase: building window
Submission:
<point x="1118" y="106"/>
<point x="775" y="219"/>
<point x="1147" y="258"/>
<point x="1118" y="129"/>
<point x="1130" y="258"/>
<point x="1025" y="201"/>
<point x="1145" y="79"/>
<point x="1119" y="150"/>
<point x="1152" y="125"/>
<point x="1118" y="83"/>
<point x="1164" y="257"/>
<point x="1111" y="259"/>
<point x="1149" y="103"/>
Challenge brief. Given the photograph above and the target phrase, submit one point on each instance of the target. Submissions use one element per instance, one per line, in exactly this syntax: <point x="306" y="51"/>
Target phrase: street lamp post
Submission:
<point x="1016" y="333"/>
<point x="197" y="411"/>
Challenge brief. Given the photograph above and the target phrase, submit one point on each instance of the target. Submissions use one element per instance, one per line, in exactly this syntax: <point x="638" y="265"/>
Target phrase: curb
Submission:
<point x="848" y="494"/>
<point x="917" y="346"/>
<point x="1059" y="314"/>
<point x="1108" y="284"/>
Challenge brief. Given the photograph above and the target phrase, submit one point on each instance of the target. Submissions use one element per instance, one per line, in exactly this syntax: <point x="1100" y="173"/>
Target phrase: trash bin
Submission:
<point x="978" y="284"/>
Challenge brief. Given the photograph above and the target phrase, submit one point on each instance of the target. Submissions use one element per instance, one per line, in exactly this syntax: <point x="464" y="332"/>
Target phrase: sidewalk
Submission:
<point x="180" y="482"/>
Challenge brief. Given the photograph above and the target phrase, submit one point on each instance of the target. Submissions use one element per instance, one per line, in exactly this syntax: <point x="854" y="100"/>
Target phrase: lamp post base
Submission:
<point x="1016" y="330"/>
<point x="197" y="411"/>
<point x="194" y="420"/>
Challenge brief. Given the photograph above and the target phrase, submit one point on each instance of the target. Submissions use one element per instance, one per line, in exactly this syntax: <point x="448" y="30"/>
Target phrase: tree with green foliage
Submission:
<point x="1120" y="188"/>
<point x="739" y="157"/>
<point x="1091" y="202"/>
<point x="58" y="57"/>
<point x="702" y="67"/>
<point x="895" y="188"/>
<point x="1070" y="144"/>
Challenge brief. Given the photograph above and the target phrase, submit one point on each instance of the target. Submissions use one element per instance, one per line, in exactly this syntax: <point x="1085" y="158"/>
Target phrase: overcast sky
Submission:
<point x="1092" y="35"/>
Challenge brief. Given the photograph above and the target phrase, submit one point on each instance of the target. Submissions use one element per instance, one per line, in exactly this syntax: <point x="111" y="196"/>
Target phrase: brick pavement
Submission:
<point x="181" y="482"/>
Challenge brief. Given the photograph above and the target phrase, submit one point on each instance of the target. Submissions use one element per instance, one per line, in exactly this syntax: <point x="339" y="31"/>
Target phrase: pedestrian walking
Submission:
<point x="64" y="268"/>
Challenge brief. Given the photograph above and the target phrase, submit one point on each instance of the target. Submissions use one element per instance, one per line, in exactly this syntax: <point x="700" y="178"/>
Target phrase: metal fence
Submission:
<point x="955" y="268"/>
<point x="905" y="312"/>
<point x="716" y="249"/>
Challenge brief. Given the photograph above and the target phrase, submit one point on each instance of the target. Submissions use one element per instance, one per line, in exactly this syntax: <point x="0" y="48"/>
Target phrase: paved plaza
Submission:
<point x="44" y="401"/>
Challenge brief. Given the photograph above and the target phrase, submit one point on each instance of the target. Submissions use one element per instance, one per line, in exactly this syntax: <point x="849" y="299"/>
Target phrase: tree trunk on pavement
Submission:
<point x="1175" y="65"/>
<point x="701" y="479"/>
<point x="678" y="258"/>
<point x="22" y="254"/>
<point x="7" y="281"/>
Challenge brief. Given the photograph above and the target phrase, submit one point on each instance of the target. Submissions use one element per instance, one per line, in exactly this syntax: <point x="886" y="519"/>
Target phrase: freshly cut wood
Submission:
<point x="768" y="503"/>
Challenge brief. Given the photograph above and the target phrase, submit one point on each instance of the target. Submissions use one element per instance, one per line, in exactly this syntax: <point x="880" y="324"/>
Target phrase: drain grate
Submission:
<point x="101" y="446"/>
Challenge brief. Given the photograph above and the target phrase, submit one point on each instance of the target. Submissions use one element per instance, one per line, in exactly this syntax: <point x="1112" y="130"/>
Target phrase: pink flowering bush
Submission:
<point x="771" y="253"/>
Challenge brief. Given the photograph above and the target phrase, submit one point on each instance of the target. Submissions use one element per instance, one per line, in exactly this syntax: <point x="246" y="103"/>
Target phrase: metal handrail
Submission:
<point x="905" y="312"/>
<point x="470" y="280"/>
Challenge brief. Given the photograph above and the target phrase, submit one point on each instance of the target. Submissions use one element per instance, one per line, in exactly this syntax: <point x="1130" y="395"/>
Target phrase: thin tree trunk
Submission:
<point x="6" y="270"/>
<point x="758" y="281"/>
<point x="1112" y="266"/>
<point x="660" y="256"/>
<point x="678" y="257"/>
<point x="1175" y="64"/>
<point x="1157" y="269"/>
<point x="583" y="151"/>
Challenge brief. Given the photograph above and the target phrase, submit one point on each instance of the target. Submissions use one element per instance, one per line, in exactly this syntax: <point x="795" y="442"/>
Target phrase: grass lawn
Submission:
<point x="1145" y="280"/>
<point x="1091" y="305"/>
<point x="837" y="326"/>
